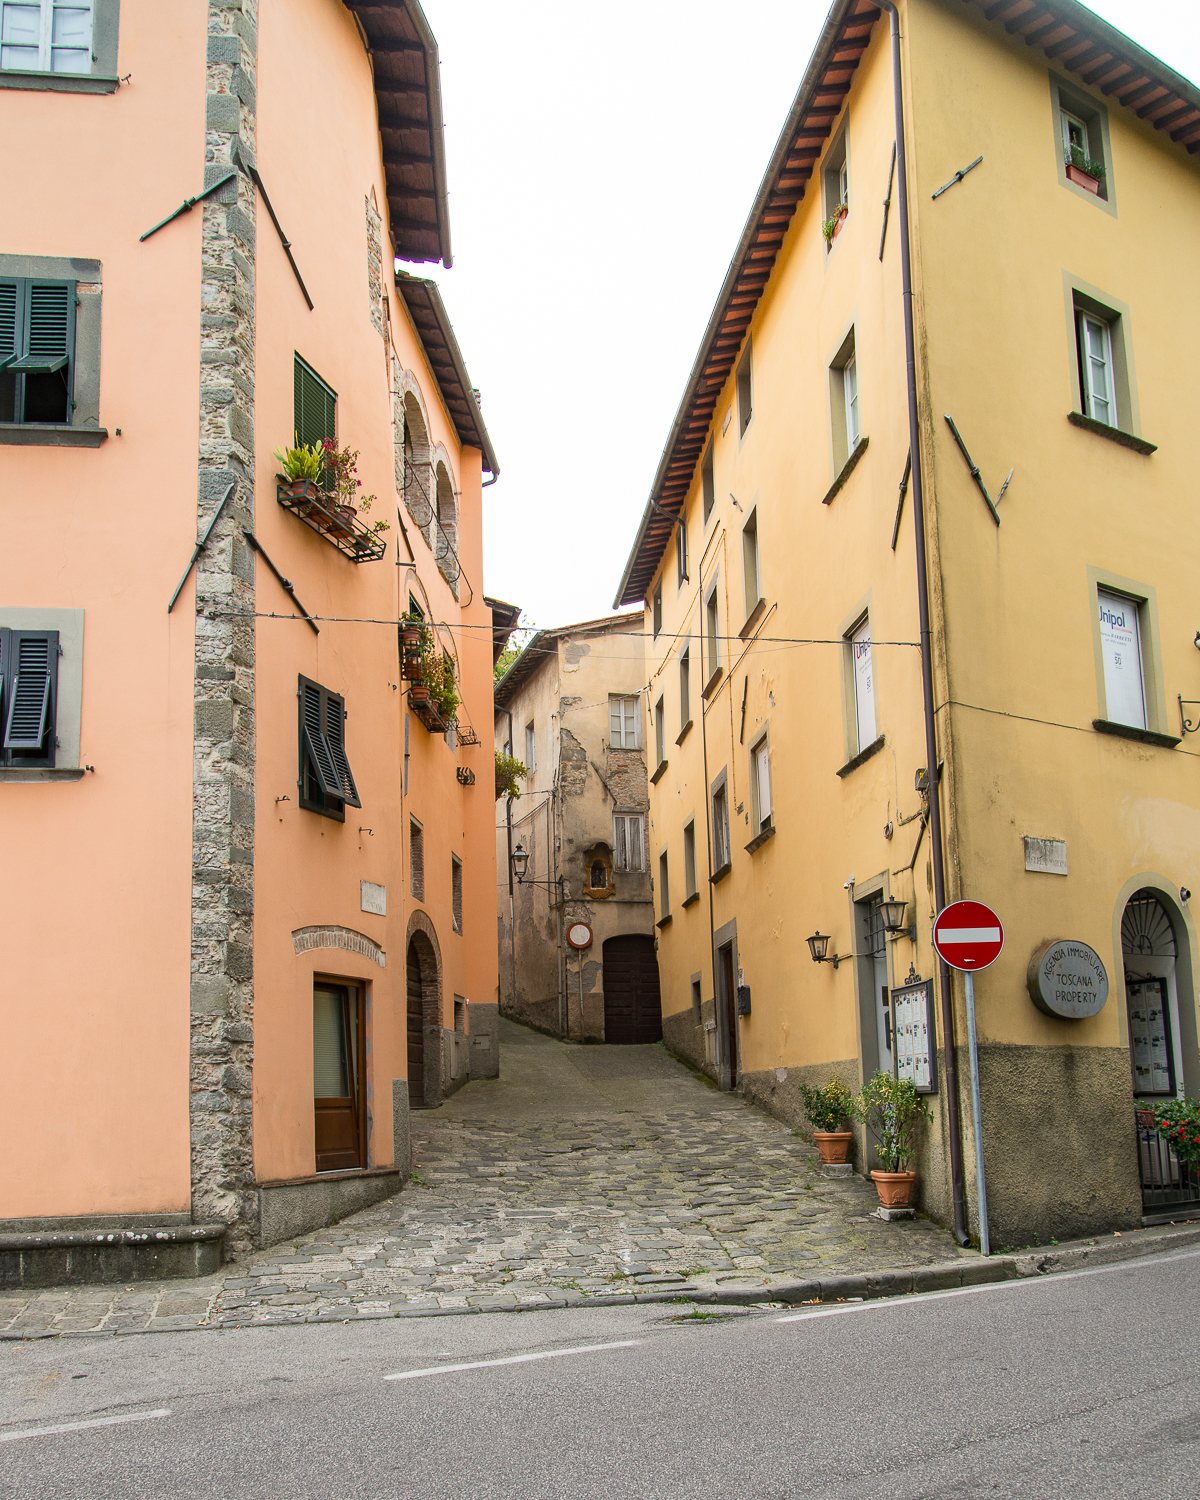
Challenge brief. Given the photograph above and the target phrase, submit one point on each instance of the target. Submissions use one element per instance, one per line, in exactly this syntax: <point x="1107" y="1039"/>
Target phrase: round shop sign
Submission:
<point x="1067" y="979"/>
<point x="579" y="935"/>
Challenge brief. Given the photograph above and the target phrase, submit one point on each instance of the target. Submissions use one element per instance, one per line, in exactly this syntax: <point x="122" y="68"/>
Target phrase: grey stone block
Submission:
<point x="129" y="1254"/>
<point x="213" y="172"/>
<point x="239" y="225"/>
<point x="210" y="994"/>
<point x="214" y="718"/>
<point x="224" y="49"/>
<point x="243" y="86"/>
<point x="484" y="1039"/>
<point x="287" y="1209"/>
<point x="239" y="960"/>
<point x="401" y="1128"/>
<point x="222" y="112"/>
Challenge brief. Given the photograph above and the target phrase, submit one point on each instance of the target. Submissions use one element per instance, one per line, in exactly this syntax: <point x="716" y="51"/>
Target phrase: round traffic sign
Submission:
<point x="968" y="935"/>
<point x="579" y="935"/>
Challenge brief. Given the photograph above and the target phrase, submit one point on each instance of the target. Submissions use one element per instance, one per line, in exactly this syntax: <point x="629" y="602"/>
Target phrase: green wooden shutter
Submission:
<point x="31" y="673"/>
<point x="315" y="406"/>
<point x="316" y="744"/>
<point x="49" y="328"/>
<point x="335" y="738"/>
<point x="12" y="317"/>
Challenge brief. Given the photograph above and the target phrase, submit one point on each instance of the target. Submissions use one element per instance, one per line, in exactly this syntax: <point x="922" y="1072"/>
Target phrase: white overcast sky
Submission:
<point x="602" y="161"/>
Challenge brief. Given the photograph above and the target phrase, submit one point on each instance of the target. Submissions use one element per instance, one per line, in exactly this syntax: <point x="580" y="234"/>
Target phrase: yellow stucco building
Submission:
<point x="812" y="756"/>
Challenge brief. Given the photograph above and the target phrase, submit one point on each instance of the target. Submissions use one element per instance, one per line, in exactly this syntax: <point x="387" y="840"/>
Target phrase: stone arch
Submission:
<point x="423" y="972"/>
<point x="305" y="939"/>
<point x="445" y="542"/>
<point x="1137" y="930"/>
<point x="416" y="476"/>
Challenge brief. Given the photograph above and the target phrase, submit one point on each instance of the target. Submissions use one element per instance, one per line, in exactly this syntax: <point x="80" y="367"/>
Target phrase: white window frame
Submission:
<point x="685" y="687"/>
<point x="1067" y="119"/>
<point x="1086" y="323"/>
<point x="722" y="854"/>
<point x="862" y="673"/>
<point x="664" y="883"/>
<point x="660" y="731"/>
<point x="623" y="721"/>
<point x="850" y="385"/>
<point x="760" y="772"/>
<point x="626" y="824"/>
<point x="46" y="49"/>
<point x="1117" y="676"/>
<point x="689" y="858"/>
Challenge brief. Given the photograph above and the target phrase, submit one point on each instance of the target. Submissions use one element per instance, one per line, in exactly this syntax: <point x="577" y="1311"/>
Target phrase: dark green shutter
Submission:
<point x="50" y="327"/>
<point x="31" y="672"/>
<point x="315" y="743"/>
<point x="315" y="406"/>
<point x="335" y="738"/>
<point x="12" y="308"/>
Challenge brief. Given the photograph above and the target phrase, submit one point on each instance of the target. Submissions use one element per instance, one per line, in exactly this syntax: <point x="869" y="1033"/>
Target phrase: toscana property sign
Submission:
<point x="1067" y="979"/>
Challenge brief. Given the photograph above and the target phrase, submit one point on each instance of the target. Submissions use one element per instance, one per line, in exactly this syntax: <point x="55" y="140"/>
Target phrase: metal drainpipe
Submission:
<point x="935" y="814"/>
<point x="512" y="914"/>
<point x="712" y="931"/>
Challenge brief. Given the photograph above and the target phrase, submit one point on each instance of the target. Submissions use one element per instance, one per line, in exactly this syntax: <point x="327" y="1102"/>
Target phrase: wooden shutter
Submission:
<point x="314" y="741"/>
<point x="49" y="328"/>
<point x="31" y="675"/>
<point x="12" y="318"/>
<point x="315" y="406"/>
<point x="335" y="740"/>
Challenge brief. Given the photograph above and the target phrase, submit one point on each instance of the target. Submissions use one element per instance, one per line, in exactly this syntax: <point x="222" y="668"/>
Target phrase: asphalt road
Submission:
<point x="1085" y="1384"/>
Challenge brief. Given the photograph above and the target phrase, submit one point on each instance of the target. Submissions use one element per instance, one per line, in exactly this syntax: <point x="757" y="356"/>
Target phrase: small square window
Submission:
<point x="745" y="390"/>
<point x="656" y="612"/>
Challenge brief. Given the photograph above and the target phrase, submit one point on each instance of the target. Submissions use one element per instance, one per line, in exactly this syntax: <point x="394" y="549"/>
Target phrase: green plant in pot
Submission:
<point x="416" y="638"/>
<point x="890" y="1108"/>
<point x="510" y="772"/>
<point x="829" y="1111"/>
<point x="444" y="689"/>
<point x="301" y="469"/>
<point x="1081" y="169"/>
<point x="832" y="226"/>
<point x="1178" y="1122"/>
<point x="342" y="484"/>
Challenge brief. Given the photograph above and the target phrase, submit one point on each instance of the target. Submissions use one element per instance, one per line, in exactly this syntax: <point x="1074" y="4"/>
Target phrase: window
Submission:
<point x="456" y="907"/>
<point x="681" y="551"/>
<point x="712" y="634"/>
<point x="685" y="688"/>
<point x="660" y="733"/>
<point x="315" y="406"/>
<point x="760" y="787"/>
<point x="696" y="1002"/>
<point x="750" y="563"/>
<point x="864" y="685"/>
<point x="66" y="44"/>
<point x="745" y="390"/>
<point x="657" y="611"/>
<point x="416" y="859"/>
<point x="664" y="889"/>
<point x="37" y="344"/>
<point x="1096" y="369"/>
<point x="1124" y="681"/>
<point x="708" y="488"/>
<point x="1081" y="143"/>
<point x="720" y="829"/>
<point x="326" y="781"/>
<point x="835" y="175"/>
<point x="28" y="697"/>
<point x="843" y="403"/>
<point x="689" y="858"/>
<point x="627" y="841"/>
<point x="622" y="723"/>
<point x="530" y="747"/>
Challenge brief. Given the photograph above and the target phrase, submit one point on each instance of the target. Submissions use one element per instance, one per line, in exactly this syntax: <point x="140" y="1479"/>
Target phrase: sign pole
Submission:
<point x="985" y="1243"/>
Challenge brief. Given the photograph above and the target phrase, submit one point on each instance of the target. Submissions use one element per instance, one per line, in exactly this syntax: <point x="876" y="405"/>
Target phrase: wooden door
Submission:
<point x="337" y="1076"/>
<point x="416" y="1029"/>
<point x="632" y="1004"/>
<point x="729" y="996"/>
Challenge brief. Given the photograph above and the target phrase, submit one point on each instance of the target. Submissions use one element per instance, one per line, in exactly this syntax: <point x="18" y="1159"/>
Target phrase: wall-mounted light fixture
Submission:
<point x="818" y="946"/>
<point x="520" y="862"/>
<point x="892" y="911"/>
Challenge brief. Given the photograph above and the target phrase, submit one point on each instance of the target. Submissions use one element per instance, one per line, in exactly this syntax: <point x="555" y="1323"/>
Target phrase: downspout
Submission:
<point x="712" y="930"/>
<point x="512" y="913"/>
<point x="931" y="755"/>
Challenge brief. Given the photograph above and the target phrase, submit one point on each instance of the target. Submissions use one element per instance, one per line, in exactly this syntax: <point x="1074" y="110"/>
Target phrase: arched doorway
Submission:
<point x="1149" y="953"/>
<point x="424" y="1026"/>
<point x="632" y="1006"/>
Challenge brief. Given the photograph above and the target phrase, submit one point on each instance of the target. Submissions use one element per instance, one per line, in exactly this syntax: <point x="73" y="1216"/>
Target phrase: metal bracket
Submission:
<point x="284" y="583"/>
<point x="900" y="502"/>
<point x="887" y="202"/>
<point x="1188" y="726"/>
<point x="189" y="203"/>
<point x="200" y="545"/>
<point x="466" y="777"/>
<point x="977" y="476"/>
<point x="283" y="239"/>
<point x="958" y="177"/>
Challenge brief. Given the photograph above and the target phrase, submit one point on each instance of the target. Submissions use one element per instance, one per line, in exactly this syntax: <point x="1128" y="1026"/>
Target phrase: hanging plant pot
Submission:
<point x="1083" y="179"/>
<point x="418" y="695"/>
<point x="410" y="636"/>
<point x="837" y="228"/>
<point x="894" y="1188"/>
<point x="834" y="1145"/>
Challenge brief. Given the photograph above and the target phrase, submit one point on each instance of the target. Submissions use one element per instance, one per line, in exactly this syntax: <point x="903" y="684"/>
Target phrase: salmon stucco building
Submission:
<point x="918" y="568"/>
<point x="253" y="875"/>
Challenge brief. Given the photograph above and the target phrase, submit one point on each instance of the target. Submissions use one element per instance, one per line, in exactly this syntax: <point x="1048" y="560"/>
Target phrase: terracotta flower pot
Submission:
<point x="298" y="489"/>
<point x="1084" y="179"/>
<point x="894" y="1188"/>
<point x="418" y="695"/>
<point x="834" y="1145"/>
<point x="837" y="228"/>
<point x="410" y="636"/>
<point x="1145" y="1119"/>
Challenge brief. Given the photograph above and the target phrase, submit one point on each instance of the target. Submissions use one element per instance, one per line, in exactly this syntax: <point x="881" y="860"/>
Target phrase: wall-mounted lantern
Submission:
<point x="892" y="911"/>
<point x="520" y="862"/>
<point x="818" y="946"/>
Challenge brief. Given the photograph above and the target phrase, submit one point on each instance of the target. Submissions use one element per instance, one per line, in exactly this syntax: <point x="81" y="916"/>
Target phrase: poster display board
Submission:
<point x="914" y="1042"/>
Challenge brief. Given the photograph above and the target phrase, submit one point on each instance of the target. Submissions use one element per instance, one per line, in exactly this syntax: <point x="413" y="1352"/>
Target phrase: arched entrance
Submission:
<point x="632" y="1007"/>
<point x="1149" y="953"/>
<point x="424" y="1022"/>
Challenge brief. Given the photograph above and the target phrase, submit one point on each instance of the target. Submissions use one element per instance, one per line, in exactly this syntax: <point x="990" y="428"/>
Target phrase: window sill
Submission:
<point x="45" y="435"/>
<point x="663" y="921"/>
<point x="658" y="773"/>
<point x="57" y="83"/>
<point x="711" y="685"/>
<point x="1130" y="732"/>
<point x="757" y="842"/>
<point x="753" y="618"/>
<point x="863" y="755"/>
<point x="683" y="733"/>
<point x="847" y="469"/>
<point x="40" y="773"/>
<point x="719" y="875"/>
<point x="1113" y="434"/>
<point x="690" y="900"/>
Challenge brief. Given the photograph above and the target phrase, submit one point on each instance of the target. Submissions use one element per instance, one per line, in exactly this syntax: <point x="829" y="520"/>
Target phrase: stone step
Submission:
<point x="147" y="1252"/>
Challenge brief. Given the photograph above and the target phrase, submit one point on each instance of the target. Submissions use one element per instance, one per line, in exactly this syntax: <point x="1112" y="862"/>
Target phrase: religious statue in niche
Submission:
<point x="598" y="878"/>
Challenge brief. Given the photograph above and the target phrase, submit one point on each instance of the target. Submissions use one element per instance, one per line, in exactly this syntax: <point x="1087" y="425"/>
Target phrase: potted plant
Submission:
<point x="832" y="226"/>
<point x="415" y="639"/>
<point x="1083" y="171"/>
<point x="890" y="1108"/>
<point x="509" y="774"/>
<point x="1178" y="1122"/>
<point x="419" y="695"/>
<point x="443" y="688"/>
<point x="829" y="1111"/>
<point x="342" y="484"/>
<point x="301" y="476"/>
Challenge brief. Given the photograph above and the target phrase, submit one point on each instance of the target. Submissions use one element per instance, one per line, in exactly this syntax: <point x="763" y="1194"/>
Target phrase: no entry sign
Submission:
<point x="968" y="935"/>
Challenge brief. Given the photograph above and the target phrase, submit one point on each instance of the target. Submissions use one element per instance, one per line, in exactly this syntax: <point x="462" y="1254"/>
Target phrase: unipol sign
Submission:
<point x="1067" y="979"/>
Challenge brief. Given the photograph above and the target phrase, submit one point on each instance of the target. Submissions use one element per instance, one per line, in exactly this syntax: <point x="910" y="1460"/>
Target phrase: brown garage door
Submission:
<point x="632" y="1008"/>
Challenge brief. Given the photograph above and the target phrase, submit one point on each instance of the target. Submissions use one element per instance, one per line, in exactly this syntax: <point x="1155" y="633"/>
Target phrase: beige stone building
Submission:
<point x="573" y="849"/>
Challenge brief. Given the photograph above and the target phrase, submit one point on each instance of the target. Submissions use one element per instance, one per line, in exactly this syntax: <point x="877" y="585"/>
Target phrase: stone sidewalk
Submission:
<point x="582" y="1173"/>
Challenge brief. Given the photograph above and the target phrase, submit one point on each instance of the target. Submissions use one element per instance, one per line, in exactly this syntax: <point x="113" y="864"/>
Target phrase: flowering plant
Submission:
<point x="830" y="1108"/>
<point x="341" y="482"/>
<point x="1178" y="1122"/>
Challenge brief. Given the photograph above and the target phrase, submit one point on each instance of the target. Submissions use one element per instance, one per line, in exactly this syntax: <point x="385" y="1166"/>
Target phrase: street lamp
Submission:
<point x="520" y="862"/>
<point x="892" y="912"/>
<point x="818" y="946"/>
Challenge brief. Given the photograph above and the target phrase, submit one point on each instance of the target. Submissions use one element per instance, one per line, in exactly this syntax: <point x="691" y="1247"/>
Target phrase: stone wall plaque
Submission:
<point x="1046" y="856"/>
<point x="372" y="897"/>
<point x="1067" y="979"/>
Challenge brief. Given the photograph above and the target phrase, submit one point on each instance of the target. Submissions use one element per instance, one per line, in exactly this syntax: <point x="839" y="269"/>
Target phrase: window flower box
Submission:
<point x="338" y="524"/>
<point x="1083" y="179"/>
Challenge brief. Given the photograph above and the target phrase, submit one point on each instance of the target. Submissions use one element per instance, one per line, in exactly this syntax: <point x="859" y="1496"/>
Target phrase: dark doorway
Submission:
<point x="632" y="1006"/>
<point x="729" y="1001"/>
<point x="416" y="1028"/>
<point x="338" y="1071"/>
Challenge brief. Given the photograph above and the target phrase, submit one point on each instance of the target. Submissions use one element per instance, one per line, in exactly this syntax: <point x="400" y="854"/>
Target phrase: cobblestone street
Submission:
<point x="581" y="1173"/>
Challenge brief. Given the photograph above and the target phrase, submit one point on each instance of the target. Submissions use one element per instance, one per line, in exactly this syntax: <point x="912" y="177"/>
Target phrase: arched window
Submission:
<point x="418" y="498"/>
<point x="445" y="545"/>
